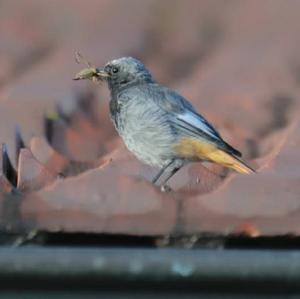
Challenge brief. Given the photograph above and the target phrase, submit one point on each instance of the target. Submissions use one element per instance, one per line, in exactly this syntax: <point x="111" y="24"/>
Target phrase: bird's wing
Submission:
<point x="187" y="120"/>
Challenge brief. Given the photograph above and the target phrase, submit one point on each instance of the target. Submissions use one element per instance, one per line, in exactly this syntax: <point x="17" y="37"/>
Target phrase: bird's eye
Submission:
<point x="115" y="69"/>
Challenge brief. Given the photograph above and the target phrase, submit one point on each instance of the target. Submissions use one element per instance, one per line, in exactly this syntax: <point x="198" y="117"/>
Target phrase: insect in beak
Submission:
<point x="102" y="73"/>
<point x="91" y="72"/>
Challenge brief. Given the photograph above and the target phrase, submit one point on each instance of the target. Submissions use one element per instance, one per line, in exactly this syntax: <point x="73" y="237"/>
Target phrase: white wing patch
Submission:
<point x="198" y="122"/>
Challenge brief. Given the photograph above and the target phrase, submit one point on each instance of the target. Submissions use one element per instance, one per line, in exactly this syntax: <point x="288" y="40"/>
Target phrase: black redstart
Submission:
<point x="157" y="124"/>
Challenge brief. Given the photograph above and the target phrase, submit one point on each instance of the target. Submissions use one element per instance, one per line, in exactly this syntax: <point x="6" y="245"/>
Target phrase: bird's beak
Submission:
<point x="102" y="73"/>
<point x="92" y="73"/>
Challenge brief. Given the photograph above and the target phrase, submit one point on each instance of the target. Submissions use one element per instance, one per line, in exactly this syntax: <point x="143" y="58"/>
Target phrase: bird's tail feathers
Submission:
<point x="239" y="165"/>
<point x="197" y="149"/>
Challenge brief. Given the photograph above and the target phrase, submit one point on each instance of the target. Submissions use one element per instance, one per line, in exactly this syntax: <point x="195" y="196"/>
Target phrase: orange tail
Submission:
<point x="229" y="161"/>
<point x="200" y="150"/>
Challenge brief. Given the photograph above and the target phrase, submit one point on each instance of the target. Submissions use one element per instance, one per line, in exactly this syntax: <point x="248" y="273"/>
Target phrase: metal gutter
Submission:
<point x="144" y="270"/>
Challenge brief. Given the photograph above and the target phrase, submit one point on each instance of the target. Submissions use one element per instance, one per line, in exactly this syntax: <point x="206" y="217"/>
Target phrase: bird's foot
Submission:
<point x="165" y="188"/>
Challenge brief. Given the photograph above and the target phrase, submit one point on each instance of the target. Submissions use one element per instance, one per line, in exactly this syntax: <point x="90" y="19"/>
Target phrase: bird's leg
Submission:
<point x="161" y="172"/>
<point x="177" y="164"/>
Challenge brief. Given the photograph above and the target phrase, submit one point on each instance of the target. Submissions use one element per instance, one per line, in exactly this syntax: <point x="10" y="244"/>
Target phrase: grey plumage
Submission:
<point x="143" y="125"/>
<point x="153" y="119"/>
<point x="148" y="115"/>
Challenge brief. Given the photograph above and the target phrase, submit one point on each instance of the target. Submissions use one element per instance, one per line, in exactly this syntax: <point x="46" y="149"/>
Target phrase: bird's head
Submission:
<point x="125" y="71"/>
<point x="119" y="73"/>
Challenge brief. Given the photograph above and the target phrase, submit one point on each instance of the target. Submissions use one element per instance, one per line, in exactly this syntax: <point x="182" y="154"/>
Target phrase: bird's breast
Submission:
<point x="115" y="109"/>
<point x="144" y="130"/>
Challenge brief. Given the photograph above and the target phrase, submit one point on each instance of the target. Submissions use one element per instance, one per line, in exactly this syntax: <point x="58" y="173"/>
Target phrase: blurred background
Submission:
<point x="66" y="178"/>
<point x="237" y="61"/>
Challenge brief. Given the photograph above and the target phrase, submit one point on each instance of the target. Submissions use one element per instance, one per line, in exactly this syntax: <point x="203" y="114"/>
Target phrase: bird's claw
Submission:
<point x="165" y="188"/>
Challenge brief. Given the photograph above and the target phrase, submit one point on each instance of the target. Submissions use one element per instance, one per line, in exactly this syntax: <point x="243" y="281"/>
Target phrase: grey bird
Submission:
<point x="158" y="125"/>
